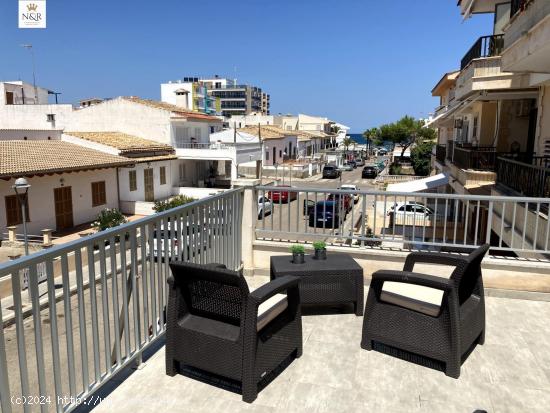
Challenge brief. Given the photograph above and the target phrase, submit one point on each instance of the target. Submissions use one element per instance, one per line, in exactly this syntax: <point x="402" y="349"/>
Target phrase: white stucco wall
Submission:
<point x="280" y="145"/>
<point x="160" y="191"/>
<point x="41" y="198"/>
<point x="123" y="116"/>
<point x="23" y="93"/>
<point x="34" y="116"/>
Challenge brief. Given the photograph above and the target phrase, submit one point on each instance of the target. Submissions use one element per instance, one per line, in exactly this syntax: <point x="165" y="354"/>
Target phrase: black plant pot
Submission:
<point x="321" y="254"/>
<point x="298" y="257"/>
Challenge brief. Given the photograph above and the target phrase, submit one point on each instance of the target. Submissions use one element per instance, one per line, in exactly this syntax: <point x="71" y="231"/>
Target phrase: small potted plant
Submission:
<point x="297" y="254"/>
<point x="320" y="248"/>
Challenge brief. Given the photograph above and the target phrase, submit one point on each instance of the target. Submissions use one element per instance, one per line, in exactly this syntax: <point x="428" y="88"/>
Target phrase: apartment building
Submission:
<point x="493" y="120"/>
<point x="190" y="93"/>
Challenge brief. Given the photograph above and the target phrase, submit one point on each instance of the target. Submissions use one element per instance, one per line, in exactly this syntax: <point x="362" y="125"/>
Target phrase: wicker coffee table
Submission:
<point x="336" y="280"/>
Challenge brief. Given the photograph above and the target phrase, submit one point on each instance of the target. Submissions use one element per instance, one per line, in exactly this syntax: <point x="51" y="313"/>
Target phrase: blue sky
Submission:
<point x="359" y="62"/>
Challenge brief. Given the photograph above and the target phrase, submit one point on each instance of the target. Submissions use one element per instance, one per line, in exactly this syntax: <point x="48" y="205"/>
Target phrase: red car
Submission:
<point x="282" y="196"/>
<point x="346" y="199"/>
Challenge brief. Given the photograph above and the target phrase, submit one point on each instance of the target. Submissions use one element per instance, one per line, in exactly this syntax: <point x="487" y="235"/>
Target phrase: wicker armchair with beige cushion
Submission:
<point x="429" y="320"/>
<point x="217" y="329"/>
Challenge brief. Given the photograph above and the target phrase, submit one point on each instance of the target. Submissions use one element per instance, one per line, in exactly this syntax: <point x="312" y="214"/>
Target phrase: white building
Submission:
<point x="191" y="94"/>
<point x="153" y="175"/>
<point x="70" y="184"/>
<point x="278" y="145"/>
<point x="20" y="110"/>
<point x="188" y="132"/>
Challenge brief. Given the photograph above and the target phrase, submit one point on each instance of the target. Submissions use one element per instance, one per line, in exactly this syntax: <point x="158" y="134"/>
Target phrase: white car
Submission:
<point x="195" y="236"/>
<point x="346" y="167"/>
<point x="265" y="206"/>
<point x="348" y="187"/>
<point x="411" y="213"/>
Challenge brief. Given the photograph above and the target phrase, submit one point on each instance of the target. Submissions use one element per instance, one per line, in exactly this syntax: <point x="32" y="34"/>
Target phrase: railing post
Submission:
<point x="5" y="401"/>
<point x="248" y="227"/>
<point x="47" y="238"/>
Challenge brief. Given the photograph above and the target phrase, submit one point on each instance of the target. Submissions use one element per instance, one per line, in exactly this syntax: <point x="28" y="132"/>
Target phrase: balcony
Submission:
<point x="485" y="46"/>
<point x="237" y="152"/>
<point x="441" y="153"/>
<point x="530" y="178"/>
<point x="481" y="158"/>
<point x="95" y="329"/>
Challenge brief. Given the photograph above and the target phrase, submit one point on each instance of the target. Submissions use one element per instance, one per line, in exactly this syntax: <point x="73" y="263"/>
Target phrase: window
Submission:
<point x="212" y="129"/>
<point x="99" y="196"/>
<point x="13" y="211"/>
<point x="50" y="117"/>
<point x="132" y="175"/>
<point x="474" y="132"/>
<point x="9" y="98"/>
<point x="267" y="155"/>
<point x="280" y="153"/>
<point x="163" y="175"/>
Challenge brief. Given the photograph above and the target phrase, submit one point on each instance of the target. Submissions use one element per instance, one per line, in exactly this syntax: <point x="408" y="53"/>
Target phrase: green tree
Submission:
<point x="421" y="157"/>
<point x="405" y="132"/>
<point x="373" y="134"/>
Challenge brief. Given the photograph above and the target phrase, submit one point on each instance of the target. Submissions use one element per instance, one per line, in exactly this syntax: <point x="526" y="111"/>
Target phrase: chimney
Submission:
<point x="181" y="98"/>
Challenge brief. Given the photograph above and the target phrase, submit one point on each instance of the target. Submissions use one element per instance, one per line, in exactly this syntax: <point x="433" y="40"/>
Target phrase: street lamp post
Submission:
<point x="21" y="188"/>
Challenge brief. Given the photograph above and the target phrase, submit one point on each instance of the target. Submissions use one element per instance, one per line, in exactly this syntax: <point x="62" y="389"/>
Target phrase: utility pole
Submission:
<point x="29" y="47"/>
<point x="261" y="152"/>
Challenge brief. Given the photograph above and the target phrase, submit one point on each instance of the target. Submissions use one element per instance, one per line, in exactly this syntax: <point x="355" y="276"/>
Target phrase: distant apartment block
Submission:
<point x="216" y="95"/>
<point x="189" y="93"/>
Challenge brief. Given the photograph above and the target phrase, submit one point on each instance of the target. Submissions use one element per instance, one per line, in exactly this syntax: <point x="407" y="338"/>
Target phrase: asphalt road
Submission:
<point x="289" y="223"/>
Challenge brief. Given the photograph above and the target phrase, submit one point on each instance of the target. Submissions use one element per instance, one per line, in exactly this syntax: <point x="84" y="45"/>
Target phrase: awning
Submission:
<point x="420" y="185"/>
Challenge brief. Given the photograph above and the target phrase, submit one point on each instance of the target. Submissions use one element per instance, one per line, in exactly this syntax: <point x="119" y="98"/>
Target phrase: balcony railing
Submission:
<point x="481" y="158"/>
<point x="485" y="46"/>
<point x="529" y="179"/>
<point x="103" y="302"/>
<point x="441" y="153"/>
<point x="450" y="150"/>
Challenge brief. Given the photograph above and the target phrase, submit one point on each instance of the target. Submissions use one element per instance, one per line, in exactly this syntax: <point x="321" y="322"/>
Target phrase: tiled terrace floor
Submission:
<point x="510" y="373"/>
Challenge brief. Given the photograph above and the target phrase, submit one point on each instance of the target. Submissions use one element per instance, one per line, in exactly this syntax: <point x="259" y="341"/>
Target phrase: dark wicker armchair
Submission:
<point x="437" y="336"/>
<point x="217" y="328"/>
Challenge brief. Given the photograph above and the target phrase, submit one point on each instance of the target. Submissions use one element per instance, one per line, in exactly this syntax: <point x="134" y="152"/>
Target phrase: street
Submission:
<point x="290" y="218"/>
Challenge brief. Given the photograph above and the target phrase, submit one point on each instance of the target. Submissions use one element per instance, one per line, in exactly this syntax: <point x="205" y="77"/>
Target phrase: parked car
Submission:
<point x="326" y="214"/>
<point x="265" y="206"/>
<point x="360" y="162"/>
<point x="382" y="152"/>
<point x="342" y="199"/>
<point x="353" y="164"/>
<point x="346" y="167"/>
<point x="369" y="172"/>
<point x="309" y="206"/>
<point x="196" y="237"/>
<point x="331" y="171"/>
<point x="410" y="213"/>
<point x="348" y="187"/>
<point x="282" y="196"/>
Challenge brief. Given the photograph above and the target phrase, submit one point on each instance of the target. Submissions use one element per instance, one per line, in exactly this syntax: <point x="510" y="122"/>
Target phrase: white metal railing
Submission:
<point x="103" y="302"/>
<point x="401" y="220"/>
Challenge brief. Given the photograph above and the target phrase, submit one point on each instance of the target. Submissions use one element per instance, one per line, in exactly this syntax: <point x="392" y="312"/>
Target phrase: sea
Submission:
<point x="359" y="138"/>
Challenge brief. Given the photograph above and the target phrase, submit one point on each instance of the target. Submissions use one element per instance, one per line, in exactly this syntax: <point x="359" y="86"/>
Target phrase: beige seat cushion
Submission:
<point x="270" y="309"/>
<point x="414" y="297"/>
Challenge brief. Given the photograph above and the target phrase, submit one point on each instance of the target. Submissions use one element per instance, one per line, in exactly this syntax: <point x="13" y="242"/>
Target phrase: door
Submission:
<point x="63" y="200"/>
<point x="274" y="155"/>
<point x="9" y="98"/>
<point x="149" y="185"/>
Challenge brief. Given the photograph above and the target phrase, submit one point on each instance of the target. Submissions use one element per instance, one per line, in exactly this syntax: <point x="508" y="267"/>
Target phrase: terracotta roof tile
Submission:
<point x="26" y="158"/>
<point x="123" y="142"/>
<point x="172" y="108"/>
